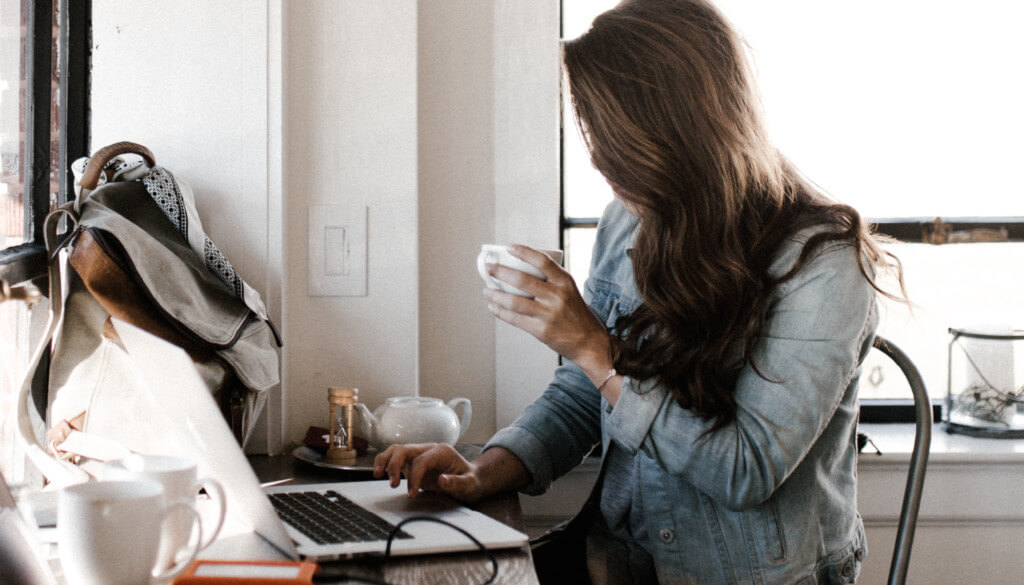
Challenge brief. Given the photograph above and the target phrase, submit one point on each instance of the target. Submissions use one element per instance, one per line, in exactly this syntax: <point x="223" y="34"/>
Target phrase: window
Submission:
<point x="877" y="106"/>
<point x="43" y="125"/>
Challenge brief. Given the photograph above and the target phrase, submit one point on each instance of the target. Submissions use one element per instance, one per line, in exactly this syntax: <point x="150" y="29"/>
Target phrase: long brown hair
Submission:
<point x="664" y="99"/>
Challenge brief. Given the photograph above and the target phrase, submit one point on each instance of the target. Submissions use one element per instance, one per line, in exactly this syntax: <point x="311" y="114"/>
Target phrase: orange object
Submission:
<point x="248" y="573"/>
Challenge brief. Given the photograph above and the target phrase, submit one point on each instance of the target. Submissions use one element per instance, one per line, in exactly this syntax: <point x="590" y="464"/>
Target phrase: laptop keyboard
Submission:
<point x="330" y="518"/>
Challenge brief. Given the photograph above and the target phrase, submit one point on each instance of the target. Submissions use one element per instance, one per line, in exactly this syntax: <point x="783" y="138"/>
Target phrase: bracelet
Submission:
<point x="611" y="374"/>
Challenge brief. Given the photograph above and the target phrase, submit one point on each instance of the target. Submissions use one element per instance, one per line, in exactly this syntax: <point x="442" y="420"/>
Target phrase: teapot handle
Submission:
<point x="466" y="416"/>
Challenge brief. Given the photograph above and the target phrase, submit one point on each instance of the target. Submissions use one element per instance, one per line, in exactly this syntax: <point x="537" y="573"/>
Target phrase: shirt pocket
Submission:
<point x="773" y="536"/>
<point x="841" y="568"/>
<point x="608" y="302"/>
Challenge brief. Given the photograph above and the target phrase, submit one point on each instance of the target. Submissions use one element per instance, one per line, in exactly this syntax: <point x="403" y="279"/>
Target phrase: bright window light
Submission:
<point x="902" y="109"/>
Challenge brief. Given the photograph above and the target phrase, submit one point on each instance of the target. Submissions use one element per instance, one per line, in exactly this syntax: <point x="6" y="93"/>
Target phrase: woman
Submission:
<point x="714" y="354"/>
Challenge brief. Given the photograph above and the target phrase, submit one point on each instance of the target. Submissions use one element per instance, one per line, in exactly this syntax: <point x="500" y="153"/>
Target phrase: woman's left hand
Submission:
<point x="557" y="315"/>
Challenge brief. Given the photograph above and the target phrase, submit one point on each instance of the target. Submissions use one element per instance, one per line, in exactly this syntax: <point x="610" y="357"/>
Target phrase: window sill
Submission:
<point x="22" y="263"/>
<point x="896" y="442"/>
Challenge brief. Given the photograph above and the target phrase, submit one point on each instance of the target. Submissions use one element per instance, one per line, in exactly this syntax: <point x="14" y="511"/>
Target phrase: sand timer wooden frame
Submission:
<point x="343" y="401"/>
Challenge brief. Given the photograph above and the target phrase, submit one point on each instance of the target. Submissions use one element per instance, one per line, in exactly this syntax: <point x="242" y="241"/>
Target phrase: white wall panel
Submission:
<point x="350" y="106"/>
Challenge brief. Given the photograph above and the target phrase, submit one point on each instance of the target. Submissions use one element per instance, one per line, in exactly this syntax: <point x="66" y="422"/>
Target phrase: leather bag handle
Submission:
<point x="91" y="176"/>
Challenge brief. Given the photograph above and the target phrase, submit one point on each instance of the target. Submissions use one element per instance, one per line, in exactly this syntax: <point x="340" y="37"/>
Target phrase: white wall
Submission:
<point x="526" y="175"/>
<point x="419" y="99"/>
<point x="413" y="100"/>
<point x="440" y="117"/>
<point x="351" y="139"/>
<point x="456" y="205"/>
<point x="154" y="82"/>
<point x="488" y="105"/>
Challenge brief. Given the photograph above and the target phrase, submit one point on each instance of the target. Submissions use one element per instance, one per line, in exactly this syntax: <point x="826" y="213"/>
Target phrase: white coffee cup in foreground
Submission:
<point x="108" y="532"/>
<point x="178" y="476"/>
<point x="498" y="254"/>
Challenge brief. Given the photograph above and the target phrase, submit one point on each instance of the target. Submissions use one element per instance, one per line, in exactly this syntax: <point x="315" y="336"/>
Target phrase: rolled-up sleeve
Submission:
<point x="557" y="431"/>
<point x="813" y="340"/>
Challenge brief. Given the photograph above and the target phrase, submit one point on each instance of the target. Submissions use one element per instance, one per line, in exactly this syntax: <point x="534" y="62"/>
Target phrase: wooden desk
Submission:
<point x="515" y="566"/>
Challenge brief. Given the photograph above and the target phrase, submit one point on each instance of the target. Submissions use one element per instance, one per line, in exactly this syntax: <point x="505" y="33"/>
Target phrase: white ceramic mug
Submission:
<point x="498" y="254"/>
<point x="108" y="532"/>
<point x="177" y="475"/>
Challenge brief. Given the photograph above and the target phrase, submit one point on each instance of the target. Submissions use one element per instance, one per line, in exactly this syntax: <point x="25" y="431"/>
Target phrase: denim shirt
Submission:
<point x="770" y="498"/>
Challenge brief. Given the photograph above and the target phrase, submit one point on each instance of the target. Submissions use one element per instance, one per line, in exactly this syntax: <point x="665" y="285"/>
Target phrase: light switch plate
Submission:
<point x="337" y="250"/>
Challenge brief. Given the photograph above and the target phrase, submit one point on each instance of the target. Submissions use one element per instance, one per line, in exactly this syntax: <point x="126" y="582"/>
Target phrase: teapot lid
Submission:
<point x="413" y="401"/>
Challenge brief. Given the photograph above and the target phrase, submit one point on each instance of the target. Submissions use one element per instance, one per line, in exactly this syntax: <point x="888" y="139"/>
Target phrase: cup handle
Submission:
<point x="467" y="413"/>
<point x="212" y="485"/>
<point x="185" y="564"/>
<point x="481" y="267"/>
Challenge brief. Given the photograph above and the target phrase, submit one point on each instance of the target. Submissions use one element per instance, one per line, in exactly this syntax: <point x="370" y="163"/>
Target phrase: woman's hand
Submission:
<point x="557" y="315"/>
<point x="60" y="431"/>
<point x="430" y="467"/>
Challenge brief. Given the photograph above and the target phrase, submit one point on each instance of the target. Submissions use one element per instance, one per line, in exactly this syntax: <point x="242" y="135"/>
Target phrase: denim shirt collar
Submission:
<point x="631" y="240"/>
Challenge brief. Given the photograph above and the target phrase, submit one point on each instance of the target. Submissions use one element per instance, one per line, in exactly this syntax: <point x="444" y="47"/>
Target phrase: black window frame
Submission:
<point x="28" y="261"/>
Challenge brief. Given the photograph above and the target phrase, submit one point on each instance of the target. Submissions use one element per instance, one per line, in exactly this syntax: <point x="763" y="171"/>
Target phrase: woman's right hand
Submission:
<point x="431" y="467"/>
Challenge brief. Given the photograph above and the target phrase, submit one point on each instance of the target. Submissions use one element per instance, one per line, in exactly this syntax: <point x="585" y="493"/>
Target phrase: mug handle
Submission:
<point x="467" y="413"/>
<point x="481" y="267"/>
<point x="180" y="568"/>
<point x="222" y="506"/>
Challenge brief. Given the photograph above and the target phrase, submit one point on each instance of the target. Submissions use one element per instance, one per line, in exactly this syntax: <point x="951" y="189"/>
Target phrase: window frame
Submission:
<point x="27" y="261"/>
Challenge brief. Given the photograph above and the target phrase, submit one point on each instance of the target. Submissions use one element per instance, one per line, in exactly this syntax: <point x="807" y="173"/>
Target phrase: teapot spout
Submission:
<point x="367" y="424"/>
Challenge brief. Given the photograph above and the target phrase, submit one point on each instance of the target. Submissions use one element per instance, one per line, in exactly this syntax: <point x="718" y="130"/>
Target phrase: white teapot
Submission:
<point x="414" y="419"/>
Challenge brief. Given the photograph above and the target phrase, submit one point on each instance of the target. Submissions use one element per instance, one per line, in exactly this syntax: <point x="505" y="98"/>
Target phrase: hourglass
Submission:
<point x="340" y="449"/>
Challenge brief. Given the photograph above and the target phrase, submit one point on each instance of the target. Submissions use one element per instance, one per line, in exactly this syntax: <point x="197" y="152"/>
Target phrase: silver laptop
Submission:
<point x="193" y="426"/>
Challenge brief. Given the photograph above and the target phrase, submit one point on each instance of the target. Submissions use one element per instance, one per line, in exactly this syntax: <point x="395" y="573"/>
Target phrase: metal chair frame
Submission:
<point x="918" y="462"/>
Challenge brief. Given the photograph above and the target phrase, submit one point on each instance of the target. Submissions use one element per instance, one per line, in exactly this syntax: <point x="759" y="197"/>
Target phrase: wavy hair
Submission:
<point x="663" y="97"/>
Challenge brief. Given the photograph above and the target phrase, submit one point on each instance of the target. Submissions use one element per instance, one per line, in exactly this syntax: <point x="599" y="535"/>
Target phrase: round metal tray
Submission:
<point x="310" y="455"/>
<point x="364" y="462"/>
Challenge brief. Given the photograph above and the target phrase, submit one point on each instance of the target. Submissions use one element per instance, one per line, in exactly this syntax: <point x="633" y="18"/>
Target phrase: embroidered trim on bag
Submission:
<point x="164" y="191"/>
<point x="162" y="187"/>
<point x="219" y="265"/>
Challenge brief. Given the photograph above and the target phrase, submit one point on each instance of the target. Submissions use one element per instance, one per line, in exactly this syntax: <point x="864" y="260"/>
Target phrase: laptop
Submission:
<point x="192" y="425"/>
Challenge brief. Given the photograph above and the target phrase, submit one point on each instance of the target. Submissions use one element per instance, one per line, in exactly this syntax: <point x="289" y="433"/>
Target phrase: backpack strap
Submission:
<point x="31" y="425"/>
<point x="92" y="172"/>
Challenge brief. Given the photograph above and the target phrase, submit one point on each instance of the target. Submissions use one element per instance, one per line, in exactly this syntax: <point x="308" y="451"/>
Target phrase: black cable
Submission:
<point x="863" y="441"/>
<point x="335" y="578"/>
